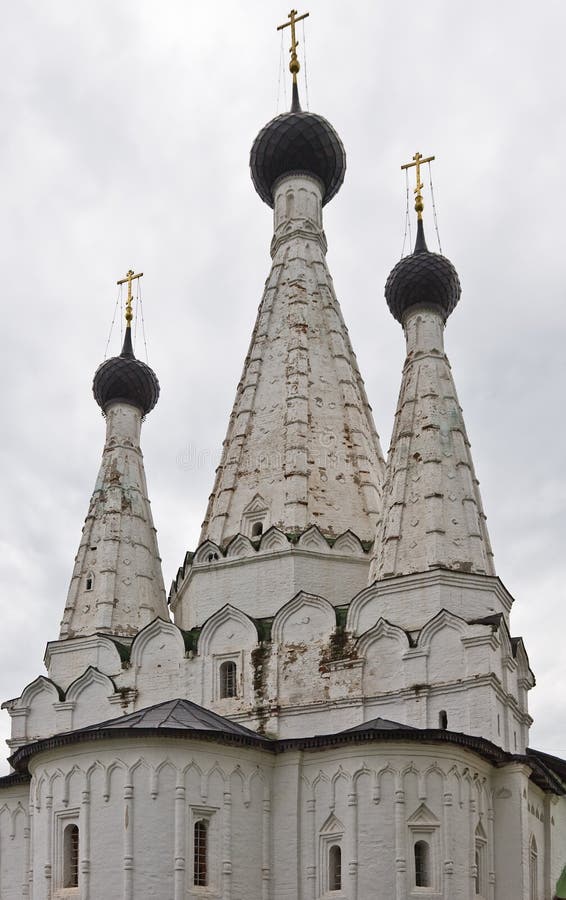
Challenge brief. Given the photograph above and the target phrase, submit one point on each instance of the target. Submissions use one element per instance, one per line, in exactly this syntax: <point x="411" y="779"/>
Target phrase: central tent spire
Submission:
<point x="301" y="447"/>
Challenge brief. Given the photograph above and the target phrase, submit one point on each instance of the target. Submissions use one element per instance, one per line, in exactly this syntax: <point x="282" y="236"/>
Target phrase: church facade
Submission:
<point x="331" y="702"/>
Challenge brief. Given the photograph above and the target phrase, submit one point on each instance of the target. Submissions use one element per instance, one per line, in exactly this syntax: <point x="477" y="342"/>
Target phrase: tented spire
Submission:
<point x="117" y="584"/>
<point x="301" y="442"/>
<point x="432" y="509"/>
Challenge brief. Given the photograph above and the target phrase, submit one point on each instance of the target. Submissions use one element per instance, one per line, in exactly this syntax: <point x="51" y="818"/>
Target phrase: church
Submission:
<point x="330" y="702"/>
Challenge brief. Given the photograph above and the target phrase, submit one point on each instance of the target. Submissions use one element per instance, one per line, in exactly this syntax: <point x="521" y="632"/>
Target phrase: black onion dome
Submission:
<point x="297" y="141"/>
<point x="422" y="279"/>
<point x="125" y="379"/>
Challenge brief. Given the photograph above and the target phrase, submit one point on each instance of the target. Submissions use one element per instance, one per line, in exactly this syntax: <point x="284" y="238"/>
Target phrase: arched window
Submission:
<point x="71" y="856"/>
<point x="335" y="868"/>
<point x="533" y="869"/>
<point x="228" y="684"/>
<point x="422" y="864"/>
<point x="89" y="583"/>
<point x="200" y="853"/>
<point x="257" y="529"/>
<point x="443" y="719"/>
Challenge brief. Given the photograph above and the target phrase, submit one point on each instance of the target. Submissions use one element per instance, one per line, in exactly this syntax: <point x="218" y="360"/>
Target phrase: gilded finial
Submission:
<point x="129" y="278"/>
<point x="418" y="161"/>
<point x="294" y="64"/>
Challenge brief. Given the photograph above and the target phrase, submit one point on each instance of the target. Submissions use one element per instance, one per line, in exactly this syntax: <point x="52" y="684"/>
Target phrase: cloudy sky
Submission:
<point x="125" y="133"/>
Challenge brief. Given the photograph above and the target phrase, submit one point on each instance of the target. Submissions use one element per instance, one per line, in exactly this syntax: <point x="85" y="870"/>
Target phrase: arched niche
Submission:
<point x="91" y="694"/>
<point x="159" y="645"/>
<point x="382" y="648"/>
<point x="39" y="699"/>
<point x="226" y="630"/>
<point x="304" y="619"/>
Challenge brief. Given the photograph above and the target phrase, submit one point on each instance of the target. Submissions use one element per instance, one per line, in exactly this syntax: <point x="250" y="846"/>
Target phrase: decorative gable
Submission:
<point x="312" y="539"/>
<point x="423" y="818"/>
<point x="255" y="517"/>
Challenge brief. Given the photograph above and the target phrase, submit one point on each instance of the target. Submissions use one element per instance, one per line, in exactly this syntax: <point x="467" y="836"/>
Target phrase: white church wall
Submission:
<point x="153" y="792"/>
<point x="383" y="648"/>
<point x="14" y="842"/>
<point x="377" y="804"/>
<point x="536" y="849"/>
<point x="250" y="850"/>
<point x="311" y="677"/>
<point x="136" y="804"/>
<point x="67" y="660"/>
<point x="262" y="584"/>
<point x="411" y="601"/>
<point x="511" y="788"/>
<point x="288" y="831"/>
<point x="33" y="714"/>
<point x="105" y="782"/>
<point x="157" y="664"/>
<point x="228" y="637"/>
<point x="89" y="698"/>
<point x="556" y="826"/>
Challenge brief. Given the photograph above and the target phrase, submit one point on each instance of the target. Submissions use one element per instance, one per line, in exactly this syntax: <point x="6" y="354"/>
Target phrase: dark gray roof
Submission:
<point x="180" y="715"/>
<point x="175" y="719"/>
<point x="379" y="725"/>
<point x="547" y="766"/>
<point x="14" y="779"/>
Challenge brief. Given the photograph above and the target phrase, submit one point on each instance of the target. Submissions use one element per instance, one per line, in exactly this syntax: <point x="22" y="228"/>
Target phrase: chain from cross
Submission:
<point x="294" y="64"/>
<point x="418" y="161"/>
<point x="128" y="279"/>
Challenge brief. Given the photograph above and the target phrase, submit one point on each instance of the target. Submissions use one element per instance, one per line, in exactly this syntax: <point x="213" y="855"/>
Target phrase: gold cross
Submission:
<point x="129" y="278"/>
<point x="294" y="65"/>
<point x="418" y="161"/>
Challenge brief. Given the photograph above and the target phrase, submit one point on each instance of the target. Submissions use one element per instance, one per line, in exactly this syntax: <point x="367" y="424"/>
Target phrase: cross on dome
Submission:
<point x="128" y="279"/>
<point x="294" y="65"/>
<point x="418" y="161"/>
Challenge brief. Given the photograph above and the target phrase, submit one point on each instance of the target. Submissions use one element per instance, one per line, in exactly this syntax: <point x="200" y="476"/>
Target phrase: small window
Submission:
<point x="228" y="684"/>
<point x="422" y="864"/>
<point x="212" y="557"/>
<point x="71" y="856"/>
<point x="335" y="868"/>
<point x="442" y="720"/>
<point x="89" y="581"/>
<point x="257" y="529"/>
<point x="200" y="854"/>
